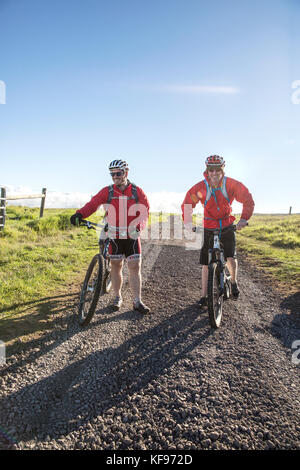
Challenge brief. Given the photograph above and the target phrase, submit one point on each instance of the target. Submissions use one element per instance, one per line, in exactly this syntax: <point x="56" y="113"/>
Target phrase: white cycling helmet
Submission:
<point x="118" y="164"/>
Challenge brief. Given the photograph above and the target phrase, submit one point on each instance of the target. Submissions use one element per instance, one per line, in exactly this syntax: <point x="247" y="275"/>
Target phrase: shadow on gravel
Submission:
<point x="88" y="388"/>
<point x="292" y="303"/>
<point x="286" y="325"/>
<point x="37" y="316"/>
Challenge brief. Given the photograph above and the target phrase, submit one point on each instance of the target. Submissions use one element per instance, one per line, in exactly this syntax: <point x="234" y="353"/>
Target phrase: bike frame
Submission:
<point x="216" y="254"/>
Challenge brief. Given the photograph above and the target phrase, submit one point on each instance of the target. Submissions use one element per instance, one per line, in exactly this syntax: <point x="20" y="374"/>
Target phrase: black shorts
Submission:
<point x="129" y="248"/>
<point x="227" y="240"/>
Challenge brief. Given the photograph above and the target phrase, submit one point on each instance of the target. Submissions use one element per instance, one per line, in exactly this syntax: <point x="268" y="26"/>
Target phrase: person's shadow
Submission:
<point x="292" y="303"/>
<point x="286" y="325"/>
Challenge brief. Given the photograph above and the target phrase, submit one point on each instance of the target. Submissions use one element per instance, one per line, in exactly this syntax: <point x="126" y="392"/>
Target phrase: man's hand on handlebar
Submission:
<point x="76" y="218"/>
<point x="241" y="224"/>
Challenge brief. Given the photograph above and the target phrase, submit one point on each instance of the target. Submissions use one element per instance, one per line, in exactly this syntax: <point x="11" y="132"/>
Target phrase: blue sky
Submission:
<point x="161" y="83"/>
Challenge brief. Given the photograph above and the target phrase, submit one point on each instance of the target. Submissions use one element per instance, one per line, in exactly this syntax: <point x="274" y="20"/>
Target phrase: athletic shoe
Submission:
<point x="202" y="302"/>
<point x="141" y="307"/>
<point x="235" y="291"/>
<point x="117" y="303"/>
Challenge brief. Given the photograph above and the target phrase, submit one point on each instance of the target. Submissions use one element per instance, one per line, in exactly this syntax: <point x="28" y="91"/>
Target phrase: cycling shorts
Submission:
<point x="129" y="248"/>
<point x="227" y="239"/>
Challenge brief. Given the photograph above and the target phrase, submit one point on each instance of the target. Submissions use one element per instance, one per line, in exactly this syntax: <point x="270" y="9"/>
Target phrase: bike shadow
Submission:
<point x="107" y="377"/>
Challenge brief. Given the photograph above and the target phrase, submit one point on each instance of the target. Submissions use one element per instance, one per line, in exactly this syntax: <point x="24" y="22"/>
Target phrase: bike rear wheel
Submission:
<point x="91" y="289"/>
<point x="214" y="296"/>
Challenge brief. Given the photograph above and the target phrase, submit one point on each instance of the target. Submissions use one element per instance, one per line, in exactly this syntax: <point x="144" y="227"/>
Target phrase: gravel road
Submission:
<point x="165" y="380"/>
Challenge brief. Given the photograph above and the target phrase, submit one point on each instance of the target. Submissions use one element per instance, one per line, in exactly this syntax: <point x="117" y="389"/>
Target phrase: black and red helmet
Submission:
<point x="214" y="160"/>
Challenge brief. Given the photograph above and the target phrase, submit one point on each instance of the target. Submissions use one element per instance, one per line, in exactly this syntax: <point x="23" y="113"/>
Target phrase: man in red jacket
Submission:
<point x="216" y="193"/>
<point x="127" y="212"/>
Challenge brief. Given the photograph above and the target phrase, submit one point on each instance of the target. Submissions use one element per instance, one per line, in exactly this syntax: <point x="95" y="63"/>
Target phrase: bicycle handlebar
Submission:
<point x="89" y="224"/>
<point x="195" y="229"/>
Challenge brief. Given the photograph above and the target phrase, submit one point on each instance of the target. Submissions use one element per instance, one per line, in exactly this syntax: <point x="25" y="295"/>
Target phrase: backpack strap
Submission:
<point x="224" y="190"/>
<point x="110" y="193"/>
<point x="208" y="193"/>
<point x="133" y="192"/>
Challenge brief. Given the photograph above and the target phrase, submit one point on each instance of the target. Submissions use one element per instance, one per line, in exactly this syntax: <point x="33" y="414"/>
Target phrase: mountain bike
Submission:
<point x="97" y="280"/>
<point x="218" y="284"/>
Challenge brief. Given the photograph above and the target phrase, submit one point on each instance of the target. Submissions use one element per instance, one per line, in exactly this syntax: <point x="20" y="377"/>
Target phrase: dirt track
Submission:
<point x="163" y="381"/>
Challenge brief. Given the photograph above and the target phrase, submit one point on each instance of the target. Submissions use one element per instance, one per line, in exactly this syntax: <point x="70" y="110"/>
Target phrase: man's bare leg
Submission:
<point x="135" y="278"/>
<point x="204" y="279"/>
<point x="232" y="266"/>
<point x="116" y="275"/>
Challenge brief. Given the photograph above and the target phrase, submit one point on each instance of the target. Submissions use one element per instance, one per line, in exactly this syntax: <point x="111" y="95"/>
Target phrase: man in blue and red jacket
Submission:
<point x="216" y="193"/>
<point x="127" y="212"/>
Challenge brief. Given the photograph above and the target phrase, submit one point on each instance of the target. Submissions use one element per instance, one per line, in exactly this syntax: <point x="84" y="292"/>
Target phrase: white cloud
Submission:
<point x="164" y="201"/>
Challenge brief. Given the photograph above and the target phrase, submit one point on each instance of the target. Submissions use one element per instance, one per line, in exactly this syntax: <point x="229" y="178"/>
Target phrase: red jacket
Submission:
<point x="122" y="212"/>
<point x="218" y="209"/>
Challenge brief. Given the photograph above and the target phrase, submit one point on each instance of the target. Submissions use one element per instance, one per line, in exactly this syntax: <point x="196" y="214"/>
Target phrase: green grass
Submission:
<point x="36" y="254"/>
<point x="272" y="243"/>
<point x="42" y="263"/>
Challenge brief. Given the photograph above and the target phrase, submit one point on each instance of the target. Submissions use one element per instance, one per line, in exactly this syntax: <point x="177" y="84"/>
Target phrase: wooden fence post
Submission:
<point x="290" y="210"/>
<point x="43" y="202"/>
<point x="2" y="208"/>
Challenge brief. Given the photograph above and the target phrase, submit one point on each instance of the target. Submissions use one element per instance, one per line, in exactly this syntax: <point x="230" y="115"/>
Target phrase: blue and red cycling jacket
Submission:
<point x="217" y="210"/>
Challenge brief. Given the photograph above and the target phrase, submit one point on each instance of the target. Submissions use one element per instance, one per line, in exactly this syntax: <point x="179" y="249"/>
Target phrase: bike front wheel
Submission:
<point x="214" y="296"/>
<point x="107" y="278"/>
<point x="91" y="289"/>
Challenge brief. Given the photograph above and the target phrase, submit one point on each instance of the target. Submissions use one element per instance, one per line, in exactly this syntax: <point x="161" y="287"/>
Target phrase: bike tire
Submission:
<point x="107" y="278"/>
<point x="214" y="299"/>
<point x="91" y="290"/>
<point x="227" y="287"/>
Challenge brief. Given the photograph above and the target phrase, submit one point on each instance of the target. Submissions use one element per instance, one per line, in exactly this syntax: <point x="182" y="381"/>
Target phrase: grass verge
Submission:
<point x="272" y="244"/>
<point x="42" y="263"/>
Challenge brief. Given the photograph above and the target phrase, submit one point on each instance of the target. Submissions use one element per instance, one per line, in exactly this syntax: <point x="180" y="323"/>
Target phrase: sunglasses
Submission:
<point x="214" y="168"/>
<point x="116" y="173"/>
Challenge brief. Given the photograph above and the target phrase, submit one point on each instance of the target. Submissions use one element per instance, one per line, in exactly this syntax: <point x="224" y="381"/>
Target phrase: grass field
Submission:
<point x="272" y="243"/>
<point x="42" y="263"/>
